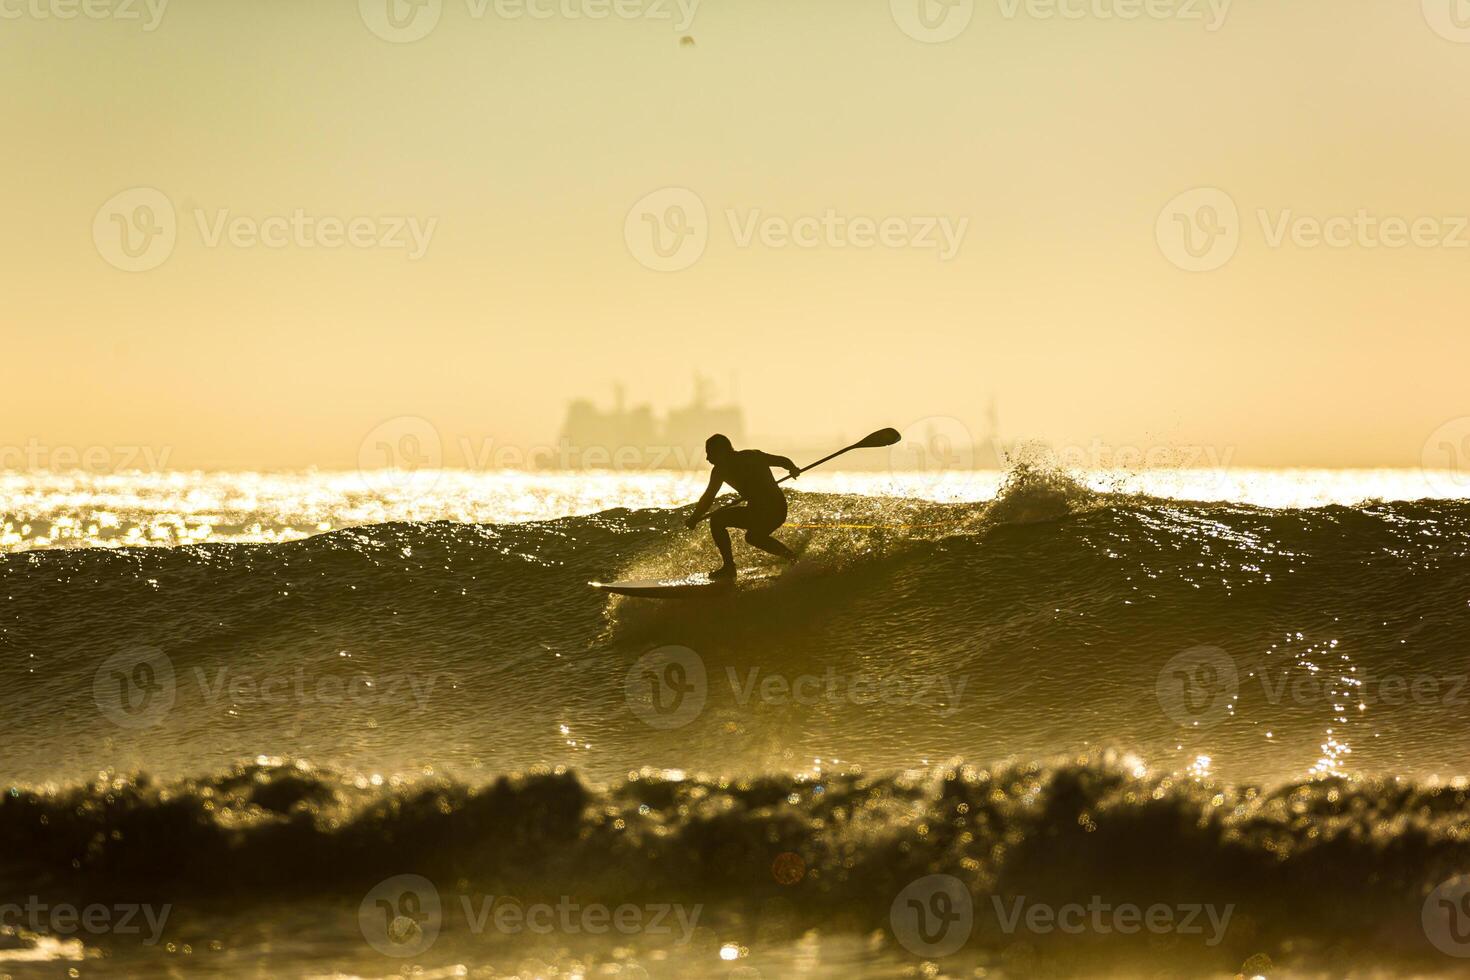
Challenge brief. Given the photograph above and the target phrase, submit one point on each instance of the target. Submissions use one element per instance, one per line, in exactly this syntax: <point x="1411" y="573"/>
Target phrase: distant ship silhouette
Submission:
<point x="635" y="438"/>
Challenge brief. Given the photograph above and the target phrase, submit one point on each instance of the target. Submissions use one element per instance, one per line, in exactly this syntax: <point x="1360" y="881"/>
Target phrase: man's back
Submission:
<point x="749" y="472"/>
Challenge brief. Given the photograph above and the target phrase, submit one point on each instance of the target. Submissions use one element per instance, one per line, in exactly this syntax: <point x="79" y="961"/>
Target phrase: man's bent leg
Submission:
<point x="769" y="545"/>
<point x="762" y="524"/>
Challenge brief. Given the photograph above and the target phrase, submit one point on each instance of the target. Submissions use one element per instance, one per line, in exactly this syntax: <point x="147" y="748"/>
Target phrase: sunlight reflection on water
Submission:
<point x="48" y="510"/>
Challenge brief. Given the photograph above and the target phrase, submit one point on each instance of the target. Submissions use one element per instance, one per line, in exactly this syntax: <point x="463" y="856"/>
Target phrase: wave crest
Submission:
<point x="1054" y="831"/>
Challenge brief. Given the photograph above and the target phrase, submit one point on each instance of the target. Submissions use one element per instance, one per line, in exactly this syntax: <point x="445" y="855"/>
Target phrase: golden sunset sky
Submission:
<point x="521" y="140"/>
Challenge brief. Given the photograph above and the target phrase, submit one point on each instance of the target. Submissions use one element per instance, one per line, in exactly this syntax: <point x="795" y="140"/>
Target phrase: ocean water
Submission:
<point x="1033" y="723"/>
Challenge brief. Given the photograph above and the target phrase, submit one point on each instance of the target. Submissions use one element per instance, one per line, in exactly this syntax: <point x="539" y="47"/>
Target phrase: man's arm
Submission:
<point x="783" y="462"/>
<point x="710" y="492"/>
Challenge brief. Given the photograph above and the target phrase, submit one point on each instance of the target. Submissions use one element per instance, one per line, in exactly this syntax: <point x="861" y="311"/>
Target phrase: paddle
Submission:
<point x="874" y="440"/>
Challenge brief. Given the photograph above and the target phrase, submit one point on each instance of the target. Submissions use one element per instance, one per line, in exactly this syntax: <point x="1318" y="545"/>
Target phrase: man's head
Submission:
<point x="718" y="447"/>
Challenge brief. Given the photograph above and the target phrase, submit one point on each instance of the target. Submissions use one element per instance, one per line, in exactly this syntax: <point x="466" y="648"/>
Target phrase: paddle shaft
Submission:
<point x="812" y="466"/>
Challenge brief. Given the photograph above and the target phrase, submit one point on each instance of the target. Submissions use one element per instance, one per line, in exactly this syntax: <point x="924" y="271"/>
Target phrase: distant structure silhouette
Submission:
<point x="635" y="438"/>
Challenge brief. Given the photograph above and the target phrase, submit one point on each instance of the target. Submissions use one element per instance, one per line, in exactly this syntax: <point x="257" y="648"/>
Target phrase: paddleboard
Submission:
<point x="688" y="587"/>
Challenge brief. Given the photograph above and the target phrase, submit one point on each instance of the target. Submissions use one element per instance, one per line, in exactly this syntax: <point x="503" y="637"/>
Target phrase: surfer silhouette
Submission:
<point x="762" y="510"/>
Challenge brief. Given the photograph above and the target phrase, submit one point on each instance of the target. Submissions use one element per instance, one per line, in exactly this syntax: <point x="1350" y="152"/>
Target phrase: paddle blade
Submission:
<point x="883" y="437"/>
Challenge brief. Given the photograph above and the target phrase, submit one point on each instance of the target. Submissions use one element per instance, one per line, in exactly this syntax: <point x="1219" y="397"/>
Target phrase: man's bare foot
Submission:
<point x="724" y="571"/>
